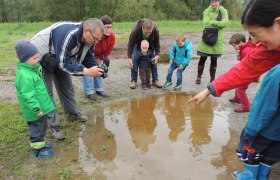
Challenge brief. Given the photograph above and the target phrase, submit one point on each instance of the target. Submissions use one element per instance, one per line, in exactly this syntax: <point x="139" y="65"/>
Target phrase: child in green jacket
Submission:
<point x="35" y="101"/>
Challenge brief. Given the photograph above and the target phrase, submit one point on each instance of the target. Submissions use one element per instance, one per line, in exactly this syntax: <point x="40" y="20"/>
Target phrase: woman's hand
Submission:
<point x="200" y="97"/>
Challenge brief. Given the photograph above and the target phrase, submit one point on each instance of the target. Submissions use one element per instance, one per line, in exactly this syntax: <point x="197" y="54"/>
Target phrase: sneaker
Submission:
<point x="101" y="93"/>
<point x="91" y="97"/>
<point x="177" y="87"/>
<point x="241" y="109"/>
<point x="144" y="87"/>
<point x="77" y="117"/>
<point x="149" y="86"/>
<point x="57" y="133"/>
<point x="167" y="84"/>
<point x="133" y="85"/>
<point x="157" y="84"/>
<point x="43" y="153"/>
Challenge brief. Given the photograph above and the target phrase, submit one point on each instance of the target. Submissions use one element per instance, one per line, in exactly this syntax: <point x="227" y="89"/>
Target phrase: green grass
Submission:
<point x="12" y="32"/>
<point x="14" y="139"/>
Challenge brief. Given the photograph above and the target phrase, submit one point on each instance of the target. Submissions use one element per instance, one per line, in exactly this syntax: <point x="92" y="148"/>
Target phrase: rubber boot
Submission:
<point x="212" y="71"/>
<point x="263" y="171"/>
<point x="250" y="172"/>
<point x="199" y="73"/>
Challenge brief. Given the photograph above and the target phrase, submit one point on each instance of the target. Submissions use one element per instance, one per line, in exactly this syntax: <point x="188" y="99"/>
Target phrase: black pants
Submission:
<point x="37" y="129"/>
<point x="204" y="58"/>
<point x="269" y="150"/>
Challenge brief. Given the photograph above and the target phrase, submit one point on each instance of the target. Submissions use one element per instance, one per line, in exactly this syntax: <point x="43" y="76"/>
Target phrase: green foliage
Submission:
<point x="136" y="9"/>
<point x="119" y="10"/>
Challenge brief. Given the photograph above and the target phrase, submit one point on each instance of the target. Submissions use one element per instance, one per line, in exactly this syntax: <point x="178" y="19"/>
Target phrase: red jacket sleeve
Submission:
<point x="249" y="69"/>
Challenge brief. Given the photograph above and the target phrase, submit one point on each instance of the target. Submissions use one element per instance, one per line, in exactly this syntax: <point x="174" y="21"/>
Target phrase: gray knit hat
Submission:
<point x="25" y="49"/>
<point x="215" y="0"/>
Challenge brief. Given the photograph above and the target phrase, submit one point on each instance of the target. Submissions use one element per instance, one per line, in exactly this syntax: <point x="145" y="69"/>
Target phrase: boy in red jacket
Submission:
<point x="238" y="41"/>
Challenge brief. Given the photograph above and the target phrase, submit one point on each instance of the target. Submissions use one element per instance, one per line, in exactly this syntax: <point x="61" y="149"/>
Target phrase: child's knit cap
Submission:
<point x="25" y="49"/>
<point x="144" y="44"/>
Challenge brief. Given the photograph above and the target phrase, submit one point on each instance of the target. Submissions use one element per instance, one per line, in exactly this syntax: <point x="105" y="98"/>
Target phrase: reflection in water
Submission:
<point x="100" y="140"/>
<point x="201" y="120"/>
<point x="159" y="137"/>
<point x="97" y="143"/>
<point x="141" y="123"/>
<point x="227" y="158"/>
<point x="174" y="115"/>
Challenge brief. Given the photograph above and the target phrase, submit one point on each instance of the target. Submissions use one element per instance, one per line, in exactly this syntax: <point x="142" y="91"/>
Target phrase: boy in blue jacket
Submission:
<point x="180" y="56"/>
<point x="261" y="132"/>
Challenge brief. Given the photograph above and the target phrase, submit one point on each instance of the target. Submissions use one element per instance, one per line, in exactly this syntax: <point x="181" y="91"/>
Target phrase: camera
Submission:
<point x="105" y="69"/>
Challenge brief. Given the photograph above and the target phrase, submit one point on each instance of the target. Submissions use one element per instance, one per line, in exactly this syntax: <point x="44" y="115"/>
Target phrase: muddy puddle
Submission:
<point x="158" y="137"/>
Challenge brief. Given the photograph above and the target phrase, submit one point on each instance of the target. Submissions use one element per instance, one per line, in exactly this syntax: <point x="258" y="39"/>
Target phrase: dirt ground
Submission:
<point x="117" y="84"/>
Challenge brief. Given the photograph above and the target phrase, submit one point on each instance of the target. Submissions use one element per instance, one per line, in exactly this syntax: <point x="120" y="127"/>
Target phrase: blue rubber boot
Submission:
<point x="250" y="172"/>
<point x="43" y="153"/>
<point x="263" y="171"/>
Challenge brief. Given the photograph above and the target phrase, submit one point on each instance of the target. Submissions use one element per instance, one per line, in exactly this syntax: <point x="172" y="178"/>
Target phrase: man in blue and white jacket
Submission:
<point x="72" y="45"/>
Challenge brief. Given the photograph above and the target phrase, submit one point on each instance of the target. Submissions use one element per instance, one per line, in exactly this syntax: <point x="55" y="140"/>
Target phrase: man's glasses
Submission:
<point x="93" y="37"/>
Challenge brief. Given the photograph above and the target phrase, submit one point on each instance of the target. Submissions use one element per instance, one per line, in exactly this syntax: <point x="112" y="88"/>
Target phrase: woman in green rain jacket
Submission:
<point x="210" y="21"/>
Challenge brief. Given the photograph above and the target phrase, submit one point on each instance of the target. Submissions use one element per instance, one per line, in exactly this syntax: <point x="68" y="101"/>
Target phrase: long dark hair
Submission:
<point x="261" y="13"/>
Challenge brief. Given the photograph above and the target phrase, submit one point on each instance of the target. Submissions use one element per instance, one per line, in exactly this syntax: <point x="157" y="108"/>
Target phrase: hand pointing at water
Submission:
<point x="200" y="97"/>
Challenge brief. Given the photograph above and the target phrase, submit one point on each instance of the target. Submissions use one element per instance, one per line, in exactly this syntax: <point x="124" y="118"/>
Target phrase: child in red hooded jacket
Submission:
<point x="243" y="48"/>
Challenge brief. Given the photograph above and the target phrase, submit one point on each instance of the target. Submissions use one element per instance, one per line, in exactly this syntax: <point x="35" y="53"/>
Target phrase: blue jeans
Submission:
<point x="172" y="67"/>
<point x="91" y="84"/>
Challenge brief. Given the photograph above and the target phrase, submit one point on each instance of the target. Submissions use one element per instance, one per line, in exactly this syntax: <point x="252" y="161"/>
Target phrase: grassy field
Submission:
<point x="12" y="32"/>
<point x="14" y="145"/>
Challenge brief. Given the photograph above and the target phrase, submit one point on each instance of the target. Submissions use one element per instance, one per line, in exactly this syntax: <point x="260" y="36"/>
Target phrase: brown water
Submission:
<point x="159" y="137"/>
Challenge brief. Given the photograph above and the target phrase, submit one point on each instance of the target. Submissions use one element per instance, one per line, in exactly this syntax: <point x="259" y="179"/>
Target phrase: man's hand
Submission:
<point x="170" y="61"/>
<point x="200" y="97"/>
<point x="130" y="64"/>
<point x="94" y="71"/>
<point x="155" y="59"/>
<point x="181" y="67"/>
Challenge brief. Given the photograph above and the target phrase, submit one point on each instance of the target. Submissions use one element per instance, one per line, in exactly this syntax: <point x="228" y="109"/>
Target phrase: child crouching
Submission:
<point x="180" y="56"/>
<point x="35" y="101"/>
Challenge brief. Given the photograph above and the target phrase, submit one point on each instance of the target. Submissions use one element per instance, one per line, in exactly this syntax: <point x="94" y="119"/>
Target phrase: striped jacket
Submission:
<point x="72" y="55"/>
